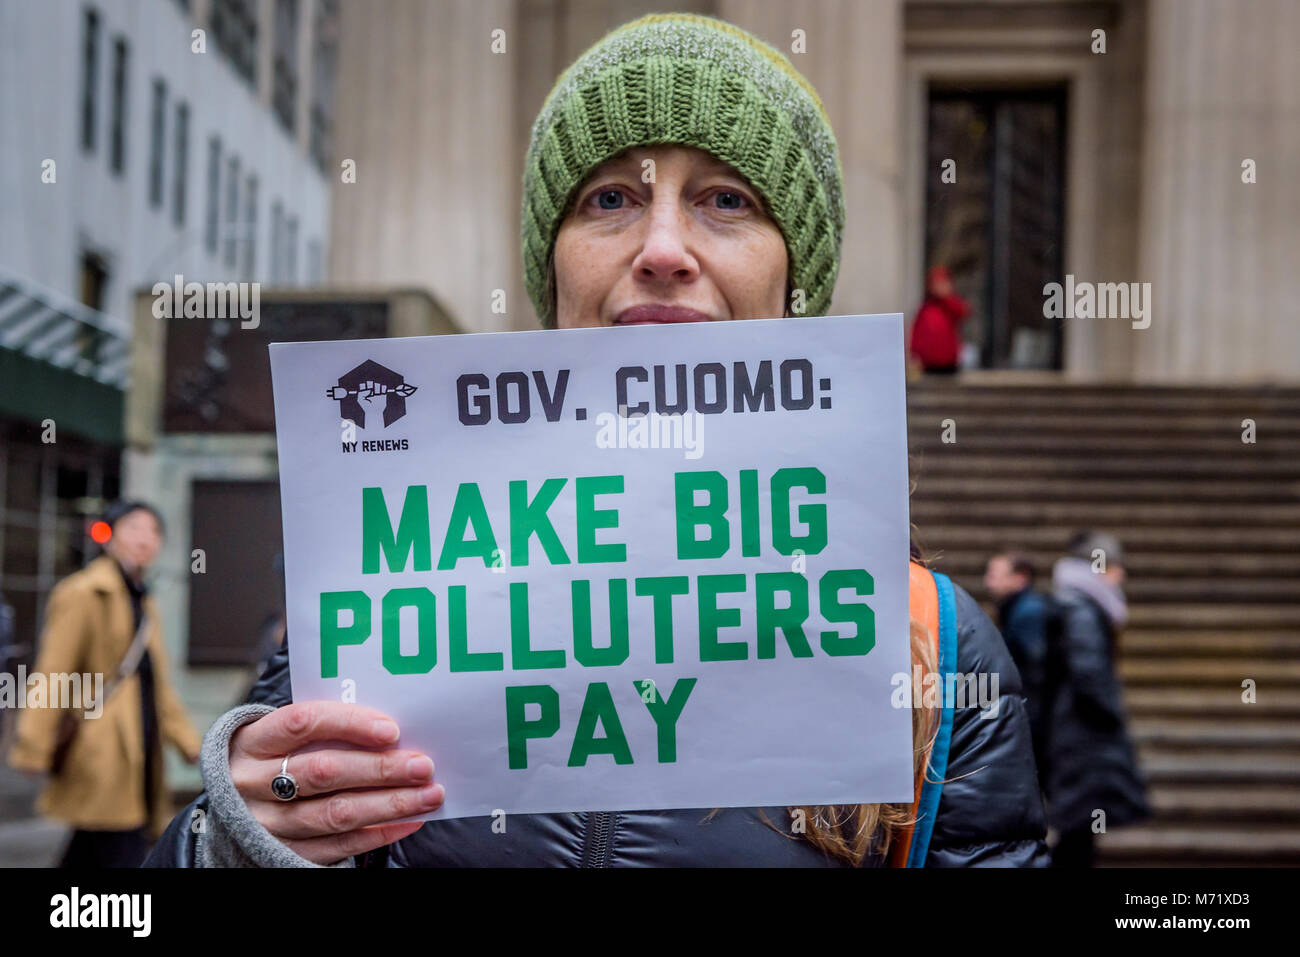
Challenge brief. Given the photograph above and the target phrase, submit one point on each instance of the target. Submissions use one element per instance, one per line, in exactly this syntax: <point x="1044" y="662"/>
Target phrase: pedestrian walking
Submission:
<point x="104" y="757"/>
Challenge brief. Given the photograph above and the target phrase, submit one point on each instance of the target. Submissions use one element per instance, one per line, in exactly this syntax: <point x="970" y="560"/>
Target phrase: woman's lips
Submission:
<point x="641" y="315"/>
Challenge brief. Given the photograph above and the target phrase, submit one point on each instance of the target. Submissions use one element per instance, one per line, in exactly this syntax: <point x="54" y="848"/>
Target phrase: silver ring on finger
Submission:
<point x="284" y="785"/>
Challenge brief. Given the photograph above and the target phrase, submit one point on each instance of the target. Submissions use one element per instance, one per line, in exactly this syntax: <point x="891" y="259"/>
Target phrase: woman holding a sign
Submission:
<point x="680" y="171"/>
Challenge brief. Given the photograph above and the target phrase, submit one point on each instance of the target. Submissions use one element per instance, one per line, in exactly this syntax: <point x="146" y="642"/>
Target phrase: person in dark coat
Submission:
<point x="936" y="333"/>
<point x="1024" y="617"/>
<point x="720" y="233"/>
<point x="1093" y="781"/>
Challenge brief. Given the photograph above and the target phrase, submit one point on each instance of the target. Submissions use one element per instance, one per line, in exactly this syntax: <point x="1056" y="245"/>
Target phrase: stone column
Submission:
<point x="854" y="59"/>
<point x="1223" y="256"/>
<point x="425" y="109"/>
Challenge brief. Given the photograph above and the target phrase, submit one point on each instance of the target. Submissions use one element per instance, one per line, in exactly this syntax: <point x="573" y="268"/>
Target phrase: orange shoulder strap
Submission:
<point x="923" y="605"/>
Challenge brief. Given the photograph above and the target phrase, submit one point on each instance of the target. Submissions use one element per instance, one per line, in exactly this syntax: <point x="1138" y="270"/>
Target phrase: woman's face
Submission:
<point x="693" y="244"/>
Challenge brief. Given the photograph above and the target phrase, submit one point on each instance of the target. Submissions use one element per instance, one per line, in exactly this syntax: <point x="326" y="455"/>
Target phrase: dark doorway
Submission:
<point x="237" y="602"/>
<point x="999" y="227"/>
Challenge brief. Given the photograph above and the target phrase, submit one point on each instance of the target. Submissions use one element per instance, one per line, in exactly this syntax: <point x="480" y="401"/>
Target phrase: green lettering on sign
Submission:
<point x="459" y="657"/>
<point x="790" y="619"/>
<point x="412" y="536"/>
<point x="591" y="519"/>
<point x="833" y="610"/>
<point x="522" y="656"/>
<point x="333" y="635"/>
<point x="813" y="515"/>
<point x="665" y="712"/>
<point x="468" y="510"/>
<point x="712" y="513"/>
<point x="584" y="652"/>
<point x="529" y="518"/>
<point x="662" y="591"/>
<point x="426" y="654"/>
<point x="598" y="708"/>
<point x="712" y="618"/>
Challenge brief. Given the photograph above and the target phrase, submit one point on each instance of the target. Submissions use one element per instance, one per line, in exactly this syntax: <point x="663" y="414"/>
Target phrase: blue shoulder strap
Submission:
<point x="932" y="787"/>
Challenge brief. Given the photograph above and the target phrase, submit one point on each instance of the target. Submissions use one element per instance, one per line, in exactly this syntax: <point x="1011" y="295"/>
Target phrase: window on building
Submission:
<point x="182" y="163"/>
<point x="277" y="242"/>
<point x="117" y="135"/>
<point x="93" y="292"/>
<point x="89" y="75"/>
<point x="157" y="130"/>
<point x="234" y="31"/>
<point x="313" y="262"/>
<point x="212" y="226"/>
<point x="244" y="558"/>
<point x="284" y="73"/>
<point x="232" y="211"/>
<point x="324" y="68"/>
<point x="94" y="279"/>
<point x="291" y="251"/>
<point x="250" y="225"/>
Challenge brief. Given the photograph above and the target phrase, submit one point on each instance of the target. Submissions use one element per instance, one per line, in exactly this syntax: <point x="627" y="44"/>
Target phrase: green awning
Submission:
<point x="61" y="360"/>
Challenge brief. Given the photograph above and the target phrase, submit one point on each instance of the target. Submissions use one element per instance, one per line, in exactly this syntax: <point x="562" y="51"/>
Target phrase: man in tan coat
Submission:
<point x="110" y="786"/>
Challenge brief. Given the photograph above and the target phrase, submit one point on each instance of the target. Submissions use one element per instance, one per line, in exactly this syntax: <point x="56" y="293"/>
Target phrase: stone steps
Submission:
<point x="1276" y="672"/>
<point x="1272" y="425"/>
<point x="1196" y="732"/>
<point x="1136" y="644"/>
<point x="1137" y="539"/>
<point x="1090" y="489"/>
<point x="1117" y="400"/>
<point x="1119" y="514"/>
<point x="1219" y="765"/>
<point x="1211" y="526"/>
<point x="1086" y="467"/>
<point x="930" y="441"/>
<point x="1215" y="805"/>
<point x="1277" y="566"/>
<point x="1220" y="701"/>
<point x="1200" y="846"/>
<point x="1248" y="595"/>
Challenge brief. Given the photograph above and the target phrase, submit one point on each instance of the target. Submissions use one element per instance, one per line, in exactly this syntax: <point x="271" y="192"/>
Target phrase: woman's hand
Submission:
<point x="329" y="820"/>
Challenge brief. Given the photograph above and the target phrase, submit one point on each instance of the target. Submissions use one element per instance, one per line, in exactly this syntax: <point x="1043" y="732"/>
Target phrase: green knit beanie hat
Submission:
<point x="694" y="81"/>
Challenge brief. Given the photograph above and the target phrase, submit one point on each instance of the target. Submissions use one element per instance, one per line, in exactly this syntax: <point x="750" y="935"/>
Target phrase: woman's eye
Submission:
<point x="729" y="200"/>
<point x="610" y="199"/>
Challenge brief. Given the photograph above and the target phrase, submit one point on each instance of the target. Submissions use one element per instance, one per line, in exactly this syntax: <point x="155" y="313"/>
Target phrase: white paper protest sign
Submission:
<point x="699" y="603"/>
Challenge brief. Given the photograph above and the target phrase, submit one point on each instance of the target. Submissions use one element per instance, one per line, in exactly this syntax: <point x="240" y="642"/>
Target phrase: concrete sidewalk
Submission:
<point x="26" y="840"/>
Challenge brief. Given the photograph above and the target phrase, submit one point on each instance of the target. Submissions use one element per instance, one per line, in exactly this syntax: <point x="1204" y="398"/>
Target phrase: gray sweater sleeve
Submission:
<point x="231" y="836"/>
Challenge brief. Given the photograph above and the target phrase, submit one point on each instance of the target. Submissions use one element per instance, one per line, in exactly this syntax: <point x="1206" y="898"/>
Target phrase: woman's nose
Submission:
<point x="665" y="252"/>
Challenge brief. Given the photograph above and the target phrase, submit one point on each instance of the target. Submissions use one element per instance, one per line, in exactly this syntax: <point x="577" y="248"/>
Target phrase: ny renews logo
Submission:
<point x="366" y="383"/>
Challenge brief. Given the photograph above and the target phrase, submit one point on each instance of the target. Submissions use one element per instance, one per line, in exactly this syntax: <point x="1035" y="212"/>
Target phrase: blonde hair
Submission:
<point x="853" y="832"/>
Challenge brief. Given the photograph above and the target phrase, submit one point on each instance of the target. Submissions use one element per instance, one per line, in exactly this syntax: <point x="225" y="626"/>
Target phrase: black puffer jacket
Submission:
<point x="990" y="813"/>
<point x="1091" y="764"/>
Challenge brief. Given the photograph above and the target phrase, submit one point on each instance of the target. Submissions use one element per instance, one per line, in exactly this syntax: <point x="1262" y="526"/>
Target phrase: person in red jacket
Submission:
<point x="936" y="333"/>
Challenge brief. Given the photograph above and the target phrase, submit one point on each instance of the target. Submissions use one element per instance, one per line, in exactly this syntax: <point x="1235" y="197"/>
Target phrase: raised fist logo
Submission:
<point x="366" y="383"/>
